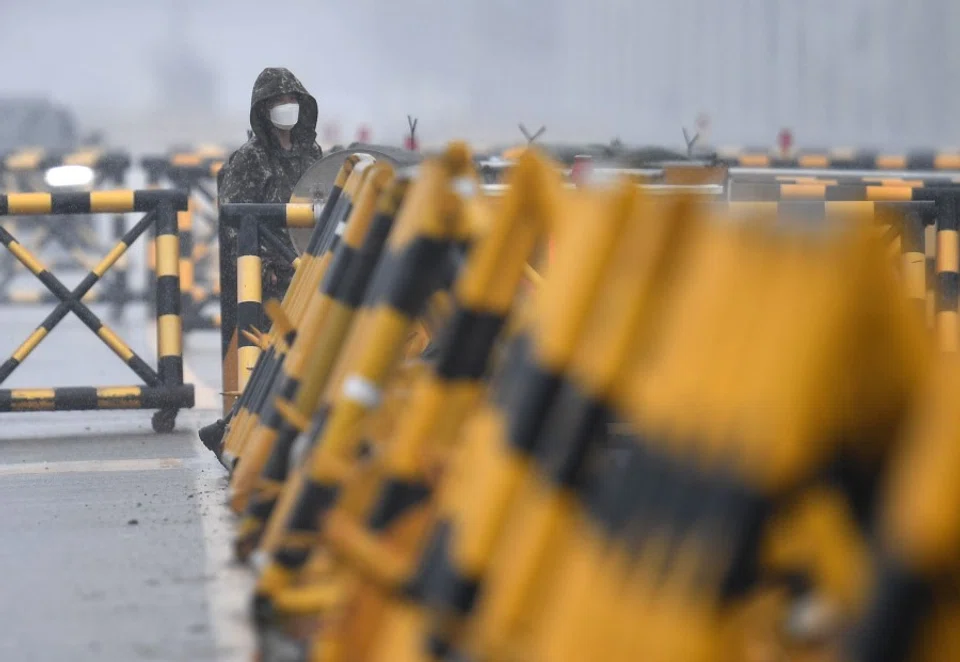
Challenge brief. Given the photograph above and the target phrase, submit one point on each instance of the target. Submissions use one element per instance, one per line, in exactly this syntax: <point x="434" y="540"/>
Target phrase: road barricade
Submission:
<point x="839" y="159"/>
<point x="671" y="439"/>
<point x="163" y="388"/>
<point x="195" y="172"/>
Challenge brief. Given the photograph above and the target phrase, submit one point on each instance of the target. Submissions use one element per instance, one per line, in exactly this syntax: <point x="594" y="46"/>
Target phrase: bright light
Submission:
<point x="69" y="176"/>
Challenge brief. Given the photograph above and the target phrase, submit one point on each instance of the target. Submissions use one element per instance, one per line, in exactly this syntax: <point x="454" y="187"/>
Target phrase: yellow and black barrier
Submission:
<point x="840" y="159"/>
<point x="243" y="414"/>
<point x="929" y="267"/>
<point x="163" y="388"/>
<point x="322" y="332"/>
<point x="667" y="449"/>
<point x="37" y="170"/>
<point x="253" y="222"/>
<point x="195" y="172"/>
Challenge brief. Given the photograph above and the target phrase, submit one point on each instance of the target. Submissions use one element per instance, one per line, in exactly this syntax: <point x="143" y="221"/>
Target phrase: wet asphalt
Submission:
<point x="113" y="539"/>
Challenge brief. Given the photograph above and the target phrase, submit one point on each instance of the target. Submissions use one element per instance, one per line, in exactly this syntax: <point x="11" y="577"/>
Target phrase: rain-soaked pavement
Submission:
<point x="114" y="541"/>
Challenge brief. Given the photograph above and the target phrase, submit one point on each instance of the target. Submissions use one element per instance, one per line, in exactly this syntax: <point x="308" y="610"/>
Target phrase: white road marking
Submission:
<point x="88" y="466"/>
<point x="229" y="594"/>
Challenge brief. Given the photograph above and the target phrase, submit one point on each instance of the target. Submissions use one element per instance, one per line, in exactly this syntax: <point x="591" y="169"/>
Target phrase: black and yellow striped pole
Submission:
<point x="325" y="325"/>
<point x="267" y="500"/>
<point x="948" y="277"/>
<point x="418" y="250"/>
<point x="169" y="321"/>
<point x="312" y="265"/>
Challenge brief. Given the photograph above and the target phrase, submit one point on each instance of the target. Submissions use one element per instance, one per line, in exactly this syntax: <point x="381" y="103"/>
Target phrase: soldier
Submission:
<point x="281" y="146"/>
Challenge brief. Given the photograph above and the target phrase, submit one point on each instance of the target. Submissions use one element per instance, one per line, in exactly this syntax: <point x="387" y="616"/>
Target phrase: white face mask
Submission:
<point x="285" y="115"/>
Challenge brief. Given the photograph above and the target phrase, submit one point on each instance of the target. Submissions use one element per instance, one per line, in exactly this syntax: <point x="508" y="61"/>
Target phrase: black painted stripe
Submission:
<point x="70" y="203"/>
<point x="145" y="201"/>
<point x="248" y="315"/>
<point x="397" y="497"/>
<point x="144" y="371"/>
<point x="167" y="295"/>
<point x="413" y="278"/>
<point x="75" y="398"/>
<point x="894" y="618"/>
<point x="575" y="422"/>
<point x="921" y="160"/>
<point x="339" y="269"/>
<point x="948" y="291"/>
<point x="464" y="347"/>
<point x="170" y="369"/>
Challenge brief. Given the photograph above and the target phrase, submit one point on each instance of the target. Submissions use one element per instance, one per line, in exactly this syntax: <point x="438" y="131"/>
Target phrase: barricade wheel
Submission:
<point x="164" y="420"/>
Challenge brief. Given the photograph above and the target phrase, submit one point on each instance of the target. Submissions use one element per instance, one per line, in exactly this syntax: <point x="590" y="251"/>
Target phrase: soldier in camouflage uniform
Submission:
<point x="269" y="165"/>
<point x="281" y="146"/>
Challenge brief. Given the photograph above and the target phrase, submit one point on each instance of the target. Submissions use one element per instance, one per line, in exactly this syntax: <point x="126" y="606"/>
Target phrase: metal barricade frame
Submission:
<point x="164" y="388"/>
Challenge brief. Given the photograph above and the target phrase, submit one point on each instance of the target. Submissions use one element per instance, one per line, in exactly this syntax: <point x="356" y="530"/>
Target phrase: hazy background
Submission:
<point x="837" y="72"/>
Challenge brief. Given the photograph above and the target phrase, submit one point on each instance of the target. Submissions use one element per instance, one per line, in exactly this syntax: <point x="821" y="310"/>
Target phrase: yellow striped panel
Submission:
<point x="119" y="397"/>
<point x="115" y="343"/>
<point x="754" y="160"/>
<point x="32" y="399"/>
<point x="170" y="335"/>
<point x="152" y="255"/>
<point x="29" y="203"/>
<point x="948" y="251"/>
<point x="28" y="159"/>
<point x="814" y="161"/>
<point x="186" y="160"/>
<point x="186" y="274"/>
<point x="948" y="331"/>
<point x="168" y="255"/>
<point x="891" y="162"/>
<point x="22" y="254"/>
<point x="247" y="358"/>
<point x="947" y="161"/>
<point x="109" y="259"/>
<point x="249" y="284"/>
<point x="118" y="202"/>
<point x="300" y="216"/>
<point x="890" y="193"/>
<point x="26" y="296"/>
<point x="86" y="157"/>
<point x="30" y="344"/>
<point x="185" y="219"/>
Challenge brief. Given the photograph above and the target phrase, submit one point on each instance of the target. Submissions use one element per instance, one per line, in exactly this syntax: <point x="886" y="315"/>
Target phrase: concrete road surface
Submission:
<point x="114" y="541"/>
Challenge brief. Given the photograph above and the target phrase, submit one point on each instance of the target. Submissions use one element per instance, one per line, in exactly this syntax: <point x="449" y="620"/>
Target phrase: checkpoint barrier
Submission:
<point x="36" y="170"/>
<point x="839" y="159"/>
<point x="927" y="237"/>
<point x="255" y="223"/>
<point x="195" y="172"/>
<point x="163" y="389"/>
<point x="662" y="450"/>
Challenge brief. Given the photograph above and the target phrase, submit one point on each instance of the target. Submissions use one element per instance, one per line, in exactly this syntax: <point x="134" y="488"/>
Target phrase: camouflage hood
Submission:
<point x="272" y="82"/>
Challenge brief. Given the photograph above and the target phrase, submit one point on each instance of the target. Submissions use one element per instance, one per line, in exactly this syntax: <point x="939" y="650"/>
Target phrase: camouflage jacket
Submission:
<point x="261" y="170"/>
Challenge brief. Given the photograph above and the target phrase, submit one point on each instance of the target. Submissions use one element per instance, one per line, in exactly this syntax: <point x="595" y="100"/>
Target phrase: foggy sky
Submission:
<point x="869" y="72"/>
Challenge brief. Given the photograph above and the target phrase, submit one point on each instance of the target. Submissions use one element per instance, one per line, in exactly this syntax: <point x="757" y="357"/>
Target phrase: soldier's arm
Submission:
<point x="243" y="179"/>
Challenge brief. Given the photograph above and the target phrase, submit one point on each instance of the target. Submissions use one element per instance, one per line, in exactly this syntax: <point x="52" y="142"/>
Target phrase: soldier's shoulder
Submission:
<point x="250" y="152"/>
